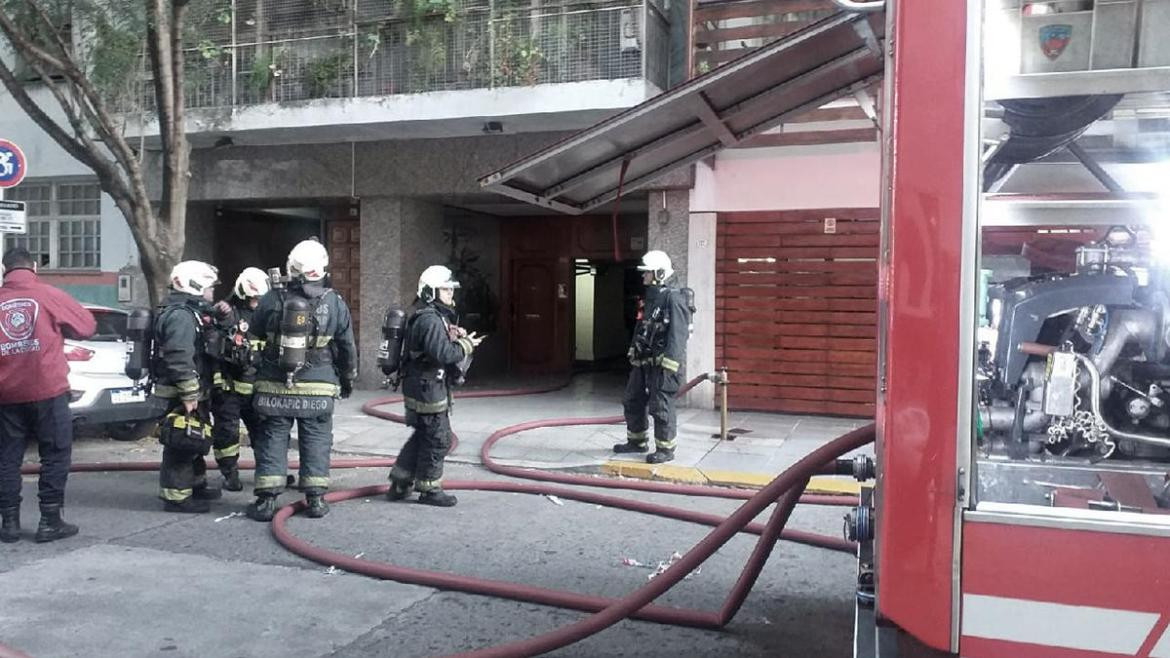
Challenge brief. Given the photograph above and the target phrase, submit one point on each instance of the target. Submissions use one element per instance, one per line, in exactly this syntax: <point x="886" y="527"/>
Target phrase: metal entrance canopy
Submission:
<point x="835" y="57"/>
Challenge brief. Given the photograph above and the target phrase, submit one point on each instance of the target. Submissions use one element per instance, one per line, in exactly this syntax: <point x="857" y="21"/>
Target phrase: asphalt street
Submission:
<point x="140" y="582"/>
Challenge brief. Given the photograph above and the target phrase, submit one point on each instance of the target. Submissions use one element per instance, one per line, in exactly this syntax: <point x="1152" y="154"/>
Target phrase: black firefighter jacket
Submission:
<point x="331" y="355"/>
<point x="431" y="357"/>
<point x="660" y="338"/>
<point x="181" y="368"/>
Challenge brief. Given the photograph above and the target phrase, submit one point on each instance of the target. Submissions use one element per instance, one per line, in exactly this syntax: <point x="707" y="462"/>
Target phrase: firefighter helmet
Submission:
<point x="252" y="282"/>
<point x="193" y="277"/>
<point x="658" y="263"/>
<point x="308" y="260"/>
<point x="434" y="278"/>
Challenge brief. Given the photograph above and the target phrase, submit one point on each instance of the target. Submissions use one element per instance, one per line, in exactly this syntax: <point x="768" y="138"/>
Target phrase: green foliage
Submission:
<point x="323" y="73"/>
<point x="519" y="58"/>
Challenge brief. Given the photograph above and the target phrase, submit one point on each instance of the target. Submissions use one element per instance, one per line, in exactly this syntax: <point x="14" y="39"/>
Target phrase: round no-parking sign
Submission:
<point x="13" y="166"/>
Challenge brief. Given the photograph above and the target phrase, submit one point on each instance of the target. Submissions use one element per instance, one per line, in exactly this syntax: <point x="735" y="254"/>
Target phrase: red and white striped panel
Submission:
<point x="1001" y="626"/>
<point x="1048" y="592"/>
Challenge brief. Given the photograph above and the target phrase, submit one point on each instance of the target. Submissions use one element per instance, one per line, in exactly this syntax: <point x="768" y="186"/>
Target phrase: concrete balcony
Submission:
<point x="280" y="71"/>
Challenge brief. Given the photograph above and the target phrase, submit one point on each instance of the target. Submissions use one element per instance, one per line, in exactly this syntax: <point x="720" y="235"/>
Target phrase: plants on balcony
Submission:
<point x="519" y="59"/>
<point x="323" y="74"/>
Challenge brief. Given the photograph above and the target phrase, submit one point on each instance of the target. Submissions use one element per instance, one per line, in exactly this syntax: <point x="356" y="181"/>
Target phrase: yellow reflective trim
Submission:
<point x="244" y="388"/>
<point x="666" y="445"/>
<point x="636" y="436"/>
<point x="188" y="386"/>
<point x="229" y="451"/>
<point x="270" y="481"/>
<point x="314" y="481"/>
<point x="323" y="341"/>
<point x="176" y="495"/>
<point x="165" y="391"/>
<point x="217" y="379"/>
<point x="256" y="344"/>
<point x="467" y="345"/>
<point x="428" y="485"/>
<point x="179" y="421"/>
<point x="298" y="388"/>
<point x="420" y="407"/>
<point x="669" y="364"/>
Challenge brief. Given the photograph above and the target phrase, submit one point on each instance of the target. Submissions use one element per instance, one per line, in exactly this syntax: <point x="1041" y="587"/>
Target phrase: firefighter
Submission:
<point x="436" y="355"/>
<point x="658" y="354"/>
<point x="309" y="359"/>
<point x="182" y="372"/>
<point x="231" y="399"/>
<point x="35" y="319"/>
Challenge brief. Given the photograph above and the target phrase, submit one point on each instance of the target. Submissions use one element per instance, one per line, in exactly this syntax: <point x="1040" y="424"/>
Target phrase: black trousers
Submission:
<point x="421" y="459"/>
<point x="314" y="443"/>
<point x="50" y="424"/>
<point x="651" y="388"/>
<point x="228" y="408"/>
<point x="182" y="471"/>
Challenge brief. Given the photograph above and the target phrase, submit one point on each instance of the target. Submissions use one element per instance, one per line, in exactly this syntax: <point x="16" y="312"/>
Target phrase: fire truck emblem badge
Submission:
<point x="1054" y="39"/>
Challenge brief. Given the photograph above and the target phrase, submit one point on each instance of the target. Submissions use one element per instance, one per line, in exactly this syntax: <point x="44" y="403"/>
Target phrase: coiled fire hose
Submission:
<point x="786" y="489"/>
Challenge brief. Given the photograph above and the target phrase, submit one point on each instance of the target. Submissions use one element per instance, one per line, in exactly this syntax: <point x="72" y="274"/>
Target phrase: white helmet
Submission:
<point x="252" y="282"/>
<point x="658" y="263"/>
<point x="432" y="279"/>
<point x="308" y="259"/>
<point x="193" y="277"/>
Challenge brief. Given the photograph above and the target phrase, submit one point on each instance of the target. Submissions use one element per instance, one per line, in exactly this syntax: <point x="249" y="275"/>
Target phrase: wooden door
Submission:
<point x="796" y="300"/>
<point x="345" y="263"/>
<point x="534" y="321"/>
<point x="538" y="294"/>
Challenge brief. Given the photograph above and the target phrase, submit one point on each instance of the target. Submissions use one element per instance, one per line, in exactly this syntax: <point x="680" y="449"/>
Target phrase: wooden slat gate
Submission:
<point x="796" y="300"/>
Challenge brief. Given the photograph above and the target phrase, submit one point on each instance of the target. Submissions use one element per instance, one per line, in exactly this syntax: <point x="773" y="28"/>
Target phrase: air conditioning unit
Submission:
<point x="630" y="38"/>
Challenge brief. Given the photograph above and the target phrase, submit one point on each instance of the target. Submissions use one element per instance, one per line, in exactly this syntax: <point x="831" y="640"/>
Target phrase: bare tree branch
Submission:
<point x="34" y="111"/>
<point x="26" y="46"/>
<point x="91" y="102"/>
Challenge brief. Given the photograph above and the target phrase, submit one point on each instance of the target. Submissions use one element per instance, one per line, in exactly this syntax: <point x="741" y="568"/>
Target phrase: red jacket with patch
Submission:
<point x="35" y="319"/>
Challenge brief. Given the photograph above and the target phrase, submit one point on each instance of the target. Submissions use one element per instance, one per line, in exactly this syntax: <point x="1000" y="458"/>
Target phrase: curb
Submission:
<point x="738" y="479"/>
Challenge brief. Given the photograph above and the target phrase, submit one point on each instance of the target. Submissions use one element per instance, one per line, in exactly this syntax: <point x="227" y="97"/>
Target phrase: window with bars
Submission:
<point x="64" y="224"/>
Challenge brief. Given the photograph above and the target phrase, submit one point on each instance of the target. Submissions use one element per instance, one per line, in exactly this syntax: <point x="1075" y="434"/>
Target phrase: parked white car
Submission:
<point x="102" y="397"/>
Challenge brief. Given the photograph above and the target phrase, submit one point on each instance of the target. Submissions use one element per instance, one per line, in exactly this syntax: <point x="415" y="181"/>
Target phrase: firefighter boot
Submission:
<point x="630" y="446"/>
<point x="263" y="508"/>
<point x="660" y="455"/>
<point x="315" y="506"/>
<point x="189" y="505"/>
<point x="204" y="492"/>
<point x="438" y="498"/>
<point x="52" y="526"/>
<point x="398" y="491"/>
<point x="231" y="480"/>
<point x="10" y="530"/>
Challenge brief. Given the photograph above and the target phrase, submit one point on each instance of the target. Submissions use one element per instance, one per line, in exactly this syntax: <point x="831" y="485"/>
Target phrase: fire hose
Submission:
<point x="786" y="489"/>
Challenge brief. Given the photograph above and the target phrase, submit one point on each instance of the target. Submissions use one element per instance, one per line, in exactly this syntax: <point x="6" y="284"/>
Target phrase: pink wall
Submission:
<point x="830" y="176"/>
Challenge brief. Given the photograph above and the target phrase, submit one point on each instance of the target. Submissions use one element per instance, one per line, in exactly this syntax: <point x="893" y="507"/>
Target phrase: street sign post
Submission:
<point x="12" y="217"/>
<point x="13" y="165"/>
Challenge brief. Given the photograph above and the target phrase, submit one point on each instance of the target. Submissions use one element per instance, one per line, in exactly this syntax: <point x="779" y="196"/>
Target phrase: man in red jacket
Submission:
<point x="34" y="391"/>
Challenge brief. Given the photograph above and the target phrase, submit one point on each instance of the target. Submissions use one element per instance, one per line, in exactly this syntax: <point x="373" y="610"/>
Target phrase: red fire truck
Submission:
<point x="1021" y="503"/>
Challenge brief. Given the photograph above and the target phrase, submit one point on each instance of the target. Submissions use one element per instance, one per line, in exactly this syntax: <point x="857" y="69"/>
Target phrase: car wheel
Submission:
<point x="131" y="431"/>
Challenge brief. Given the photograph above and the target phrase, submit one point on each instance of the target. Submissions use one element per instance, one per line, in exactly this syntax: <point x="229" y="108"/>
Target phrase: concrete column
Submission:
<point x="701" y="266"/>
<point x="399" y="238"/>
<point x="381" y="284"/>
<point x="668" y="231"/>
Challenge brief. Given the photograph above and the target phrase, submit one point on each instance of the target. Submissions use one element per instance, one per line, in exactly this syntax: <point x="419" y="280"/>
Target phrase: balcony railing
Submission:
<point x="723" y="30"/>
<point x="277" y="51"/>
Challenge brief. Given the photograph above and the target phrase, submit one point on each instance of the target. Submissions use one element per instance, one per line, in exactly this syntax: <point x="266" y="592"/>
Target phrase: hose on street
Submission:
<point x="786" y="491"/>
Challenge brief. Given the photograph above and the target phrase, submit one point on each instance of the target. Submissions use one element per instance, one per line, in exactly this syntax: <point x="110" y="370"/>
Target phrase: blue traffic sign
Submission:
<point x="13" y="166"/>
